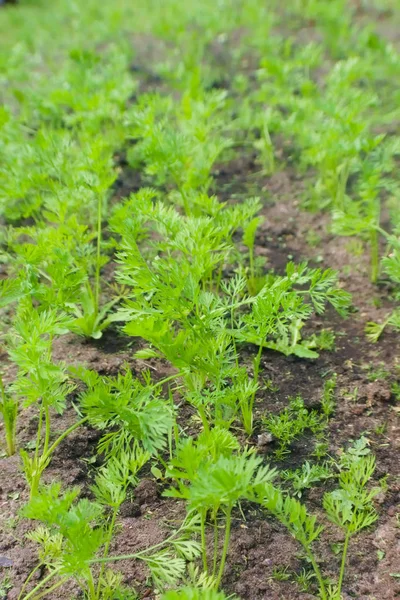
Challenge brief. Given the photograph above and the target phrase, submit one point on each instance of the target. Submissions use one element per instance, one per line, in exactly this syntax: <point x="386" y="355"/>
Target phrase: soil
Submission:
<point x="365" y="406"/>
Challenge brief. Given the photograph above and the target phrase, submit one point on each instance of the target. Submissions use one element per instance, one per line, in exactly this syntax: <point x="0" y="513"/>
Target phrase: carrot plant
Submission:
<point x="249" y="237"/>
<point x="213" y="476"/>
<point x="40" y="382"/>
<point x="63" y="176"/>
<point x="193" y="316"/>
<point x="76" y="533"/>
<point x="361" y="214"/>
<point x="284" y="304"/>
<point x="57" y="133"/>
<point x="179" y="143"/>
<point x="350" y="507"/>
<point x="391" y="267"/>
<point x="60" y="265"/>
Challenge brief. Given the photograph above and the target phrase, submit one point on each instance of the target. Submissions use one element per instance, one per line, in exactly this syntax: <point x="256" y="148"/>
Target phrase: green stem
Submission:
<point x="40" y="463"/>
<point x="257" y="361"/>
<point x="342" y="185"/>
<point x="186" y="204"/>
<point x="225" y="548"/>
<point x="106" y="548"/>
<point x="215" y="557"/>
<point x="138" y="555"/>
<point x="171" y="438"/>
<point x="9" y="408"/>
<point x="248" y="419"/>
<point x="382" y="232"/>
<point x="176" y="436"/>
<point x="203" y="515"/>
<point x="374" y="243"/>
<point x="42" y="583"/>
<point x="251" y="257"/>
<point x="39" y="434"/>
<point x="247" y="414"/>
<point x="34" y="483"/>
<point x="63" y="436"/>
<point x="91" y="587"/>
<point x="98" y="254"/>
<point x="219" y="277"/>
<point x="233" y="338"/>
<point x="318" y="574"/>
<point x="203" y="418"/>
<point x="169" y="378"/>
<point x="47" y="430"/>
<point x="343" y="564"/>
<point x="27" y="580"/>
<point x="269" y="151"/>
<point x="10" y="442"/>
<point x="2" y="390"/>
<point x="173" y="432"/>
<point x="52" y="588"/>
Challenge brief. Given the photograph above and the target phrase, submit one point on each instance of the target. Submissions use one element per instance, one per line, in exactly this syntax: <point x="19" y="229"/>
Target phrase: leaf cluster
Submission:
<point x="126" y="409"/>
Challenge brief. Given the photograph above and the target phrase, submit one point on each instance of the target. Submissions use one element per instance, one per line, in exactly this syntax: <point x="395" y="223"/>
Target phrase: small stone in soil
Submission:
<point x="264" y="439"/>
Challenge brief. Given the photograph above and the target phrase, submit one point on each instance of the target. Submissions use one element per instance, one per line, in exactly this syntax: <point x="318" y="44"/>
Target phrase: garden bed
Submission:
<point x="264" y="561"/>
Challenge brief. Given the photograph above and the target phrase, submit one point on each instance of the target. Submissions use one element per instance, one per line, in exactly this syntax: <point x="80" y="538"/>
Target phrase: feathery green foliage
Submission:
<point x="40" y="381"/>
<point x="292" y="422"/>
<point x="213" y="477"/>
<point x="126" y="409"/>
<point x="350" y="507"/>
<point x="75" y="531"/>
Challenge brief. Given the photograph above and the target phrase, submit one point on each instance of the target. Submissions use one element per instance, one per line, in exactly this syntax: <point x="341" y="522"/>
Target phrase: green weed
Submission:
<point x="292" y="422"/>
